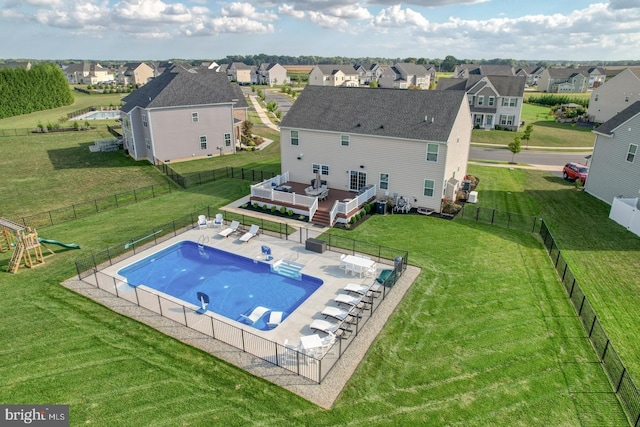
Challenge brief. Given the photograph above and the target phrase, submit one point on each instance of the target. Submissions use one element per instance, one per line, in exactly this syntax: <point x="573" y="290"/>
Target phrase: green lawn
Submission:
<point x="485" y="336"/>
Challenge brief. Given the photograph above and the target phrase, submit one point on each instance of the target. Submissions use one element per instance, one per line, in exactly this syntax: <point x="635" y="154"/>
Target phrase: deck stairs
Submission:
<point x="287" y="268"/>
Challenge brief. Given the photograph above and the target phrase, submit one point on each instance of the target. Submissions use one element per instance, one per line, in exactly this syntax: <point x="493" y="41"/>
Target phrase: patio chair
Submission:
<point x="275" y="318"/>
<point x="255" y="315"/>
<point x="327" y="327"/>
<point x="217" y="222"/>
<point x="348" y="299"/>
<point x="249" y="234"/>
<point x="384" y="275"/>
<point x="233" y="227"/>
<point x="339" y="314"/>
<point x="202" y="221"/>
<point x="363" y="289"/>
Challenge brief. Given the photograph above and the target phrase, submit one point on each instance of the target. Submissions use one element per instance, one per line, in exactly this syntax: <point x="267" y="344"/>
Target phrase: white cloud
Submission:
<point x="246" y="10"/>
<point x="395" y="16"/>
<point x="624" y="4"/>
<point x="289" y="10"/>
<point x="151" y="11"/>
<point x="225" y="24"/>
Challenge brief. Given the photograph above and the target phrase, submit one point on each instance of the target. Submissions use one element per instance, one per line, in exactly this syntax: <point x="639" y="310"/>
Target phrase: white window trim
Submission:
<point x="437" y="153"/>
<point x="194" y="117"/>
<point x="380" y="181"/>
<point x="634" y="154"/>
<point x="433" y="188"/>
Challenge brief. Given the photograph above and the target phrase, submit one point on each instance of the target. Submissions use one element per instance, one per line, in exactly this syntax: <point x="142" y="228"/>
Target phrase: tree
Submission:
<point x="515" y="147"/>
<point x="247" y="129"/>
<point x="449" y="63"/>
<point x="526" y="136"/>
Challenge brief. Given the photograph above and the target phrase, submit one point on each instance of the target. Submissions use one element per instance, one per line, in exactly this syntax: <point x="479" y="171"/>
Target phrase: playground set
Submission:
<point x="26" y="244"/>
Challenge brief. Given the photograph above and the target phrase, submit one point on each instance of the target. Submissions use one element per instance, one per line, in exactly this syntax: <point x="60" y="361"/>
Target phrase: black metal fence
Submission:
<point x="314" y="367"/>
<point x="197" y="178"/>
<point x="18" y="132"/>
<point x="621" y="382"/>
<point x="92" y="207"/>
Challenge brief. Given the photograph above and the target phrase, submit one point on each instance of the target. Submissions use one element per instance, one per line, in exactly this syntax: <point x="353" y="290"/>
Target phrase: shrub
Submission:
<point x="255" y="205"/>
<point x="290" y="212"/>
<point x="265" y="207"/>
<point x="368" y="208"/>
<point x="283" y="210"/>
<point x="347" y="226"/>
<point x="273" y="208"/>
<point x="353" y="220"/>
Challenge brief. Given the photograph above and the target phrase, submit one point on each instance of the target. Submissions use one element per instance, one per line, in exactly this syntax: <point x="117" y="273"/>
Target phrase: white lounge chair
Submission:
<point x="249" y="234"/>
<point x="275" y="318"/>
<point x="335" y="312"/>
<point x="348" y="299"/>
<point x="202" y="221"/>
<point x="233" y="227"/>
<point x="255" y="315"/>
<point x="362" y="289"/>
<point x="335" y="329"/>
<point x="217" y="222"/>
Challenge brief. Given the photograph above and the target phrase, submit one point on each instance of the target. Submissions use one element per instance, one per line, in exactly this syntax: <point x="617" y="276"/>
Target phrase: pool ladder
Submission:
<point x="201" y="241"/>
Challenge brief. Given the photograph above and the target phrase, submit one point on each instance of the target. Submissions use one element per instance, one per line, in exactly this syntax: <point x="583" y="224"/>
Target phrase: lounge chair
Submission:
<point x="362" y="289"/>
<point x="233" y="227"/>
<point x="348" y="299"/>
<point x="275" y="318"/>
<point x="339" y="314"/>
<point x="217" y="222"/>
<point x="202" y="221"/>
<point x="330" y="328"/>
<point x="249" y="234"/>
<point x="255" y="315"/>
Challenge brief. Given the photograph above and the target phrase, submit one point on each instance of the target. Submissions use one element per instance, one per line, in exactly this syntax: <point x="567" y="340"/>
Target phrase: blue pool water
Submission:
<point x="101" y="115"/>
<point x="235" y="284"/>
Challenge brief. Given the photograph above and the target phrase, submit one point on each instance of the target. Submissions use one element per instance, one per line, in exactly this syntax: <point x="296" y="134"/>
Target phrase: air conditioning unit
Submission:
<point x="473" y="197"/>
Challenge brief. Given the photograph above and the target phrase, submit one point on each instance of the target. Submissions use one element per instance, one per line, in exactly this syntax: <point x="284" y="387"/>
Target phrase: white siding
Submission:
<point x="614" y="96"/>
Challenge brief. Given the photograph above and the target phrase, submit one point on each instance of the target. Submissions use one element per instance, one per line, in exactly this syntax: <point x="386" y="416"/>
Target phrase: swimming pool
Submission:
<point x="235" y="284"/>
<point x="100" y="115"/>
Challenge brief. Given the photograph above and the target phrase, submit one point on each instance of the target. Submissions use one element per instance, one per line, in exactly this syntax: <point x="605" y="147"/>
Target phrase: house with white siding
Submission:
<point x="416" y="149"/>
<point x="334" y="75"/>
<point x="87" y="73"/>
<point x="494" y="101"/>
<point x="272" y="74"/>
<point x="569" y="80"/>
<point x="183" y="114"/>
<point x="405" y="75"/>
<point x="615" y="95"/>
<point x="614" y="169"/>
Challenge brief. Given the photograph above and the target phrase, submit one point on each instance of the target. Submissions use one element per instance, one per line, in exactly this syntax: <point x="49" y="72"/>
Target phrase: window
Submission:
<point x="315" y="168"/>
<point x="470" y="99"/>
<point x="507" y="119"/>
<point x="429" y="185"/>
<point x="492" y="101"/>
<point x="344" y="140"/>
<point x="194" y="117"/>
<point x="509" y="102"/>
<point x="596" y="96"/>
<point x="145" y="123"/>
<point x="227" y="139"/>
<point x="480" y="100"/>
<point x="384" y="181"/>
<point x="626" y="98"/>
<point x="203" y="142"/>
<point x="631" y="154"/>
<point x="432" y="152"/>
<point x="324" y="170"/>
<point x="294" y="137"/>
<point x="147" y="142"/>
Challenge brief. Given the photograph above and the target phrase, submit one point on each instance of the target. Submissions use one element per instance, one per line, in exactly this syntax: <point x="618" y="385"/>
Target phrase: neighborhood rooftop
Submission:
<point x="411" y="114"/>
<point x="182" y="87"/>
<point x="608" y="127"/>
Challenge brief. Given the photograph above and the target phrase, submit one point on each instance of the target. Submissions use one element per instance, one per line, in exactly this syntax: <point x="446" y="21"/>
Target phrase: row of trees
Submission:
<point x="43" y="87"/>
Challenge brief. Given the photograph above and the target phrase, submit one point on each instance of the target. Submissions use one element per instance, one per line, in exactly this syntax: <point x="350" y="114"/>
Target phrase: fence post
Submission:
<point x="96" y="203"/>
<point x="508" y="219"/>
<point x="592" y="325"/>
<point x="50" y="218"/>
<point x="135" y="197"/>
<point x="565" y="270"/>
<point x="604" y="352"/>
<point x="624" y="371"/>
<point x="74" y="211"/>
<point x="493" y="215"/>
<point x="581" y="305"/>
<point x="115" y="196"/>
<point x="573" y="285"/>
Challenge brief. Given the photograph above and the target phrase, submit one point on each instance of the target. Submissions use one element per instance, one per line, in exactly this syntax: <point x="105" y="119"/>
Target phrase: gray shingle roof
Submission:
<point x="608" y="127"/>
<point x="329" y="69"/>
<point x="180" y="87"/>
<point x="504" y="85"/>
<point x="378" y="112"/>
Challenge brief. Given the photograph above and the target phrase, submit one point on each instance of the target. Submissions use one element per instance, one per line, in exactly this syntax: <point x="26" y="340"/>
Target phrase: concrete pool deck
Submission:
<point x="322" y="265"/>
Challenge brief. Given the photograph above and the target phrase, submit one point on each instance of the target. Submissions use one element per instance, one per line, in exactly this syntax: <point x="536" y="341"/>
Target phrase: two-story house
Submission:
<point x="563" y="80"/>
<point x="494" y="101"/>
<point x="614" y="164"/>
<point x="531" y="74"/>
<point x="334" y="75"/>
<point x="272" y="74"/>
<point x="87" y="73"/>
<point x="183" y="114"/>
<point x="369" y="73"/>
<point x="615" y="95"/>
<point x="405" y="75"/>
<point x="137" y="73"/>
<point x="416" y="149"/>
<point x="241" y="73"/>
<point x="463" y="71"/>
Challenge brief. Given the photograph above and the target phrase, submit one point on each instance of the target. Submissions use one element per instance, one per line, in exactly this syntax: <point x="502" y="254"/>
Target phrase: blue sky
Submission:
<point x="201" y="29"/>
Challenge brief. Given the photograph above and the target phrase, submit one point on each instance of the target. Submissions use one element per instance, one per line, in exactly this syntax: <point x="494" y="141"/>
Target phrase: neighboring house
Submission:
<point x="183" y="114"/>
<point x="614" y="170"/>
<point x="596" y="76"/>
<point x="16" y="64"/>
<point x="334" y="75"/>
<point x="531" y="74"/>
<point x="417" y="149"/>
<point x="565" y="80"/>
<point x="272" y="74"/>
<point x="241" y="73"/>
<point x="615" y="95"/>
<point x="405" y="75"/>
<point x="494" y="101"/>
<point x="369" y="73"/>
<point x="463" y="71"/>
<point x="87" y="73"/>
<point x="137" y="73"/>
